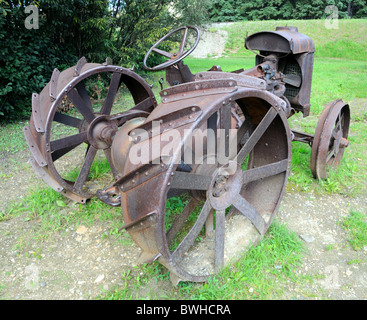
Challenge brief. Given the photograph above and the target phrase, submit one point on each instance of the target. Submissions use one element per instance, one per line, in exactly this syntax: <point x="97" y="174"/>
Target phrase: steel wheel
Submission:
<point x="65" y="143"/>
<point x="330" y="139"/>
<point x="224" y="208"/>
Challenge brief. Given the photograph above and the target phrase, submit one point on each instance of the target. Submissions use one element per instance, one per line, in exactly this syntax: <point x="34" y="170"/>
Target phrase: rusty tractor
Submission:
<point x="217" y="147"/>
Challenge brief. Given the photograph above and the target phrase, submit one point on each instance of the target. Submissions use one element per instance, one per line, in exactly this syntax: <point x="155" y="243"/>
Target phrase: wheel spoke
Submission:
<point x="145" y="105"/>
<point x="183" y="42"/>
<point x="84" y="95"/>
<point x="67" y="120"/>
<point x="111" y="94"/>
<point x="163" y="53"/>
<point x="219" y="239"/>
<point x="265" y="171"/>
<point x="339" y="121"/>
<point x="335" y="132"/>
<point x="84" y="171"/>
<point x="190" y="181"/>
<point x="79" y="103"/>
<point x="189" y="240"/>
<point x="180" y="220"/>
<point x="331" y="154"/>
<point x="59" y="153"/>
<point x="225" y="125"/>
<point x="68" y="142"/>
<point x="338" y="126"/>
<point x="256" y="135"/>
<point x="250" y="212"/>
<point x="209" y="223"/>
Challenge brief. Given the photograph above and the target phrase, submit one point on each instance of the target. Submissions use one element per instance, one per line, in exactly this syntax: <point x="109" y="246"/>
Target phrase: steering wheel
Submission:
<point x="173" y="57"/>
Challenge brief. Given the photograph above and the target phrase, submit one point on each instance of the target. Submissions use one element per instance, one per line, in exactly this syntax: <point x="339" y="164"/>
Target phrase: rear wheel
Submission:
<point x="71" y="131"/>
<point x="212" y="211"/>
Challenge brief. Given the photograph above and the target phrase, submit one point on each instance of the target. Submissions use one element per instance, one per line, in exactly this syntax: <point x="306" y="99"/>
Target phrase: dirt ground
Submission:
<point x="78" y="264"/>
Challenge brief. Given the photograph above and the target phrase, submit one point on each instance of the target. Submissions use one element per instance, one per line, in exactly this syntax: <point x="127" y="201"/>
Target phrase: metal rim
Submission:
<point x="317" y="137"/>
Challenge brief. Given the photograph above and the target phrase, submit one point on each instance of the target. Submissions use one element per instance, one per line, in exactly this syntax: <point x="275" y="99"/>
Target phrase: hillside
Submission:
<point x="348" y="41"/>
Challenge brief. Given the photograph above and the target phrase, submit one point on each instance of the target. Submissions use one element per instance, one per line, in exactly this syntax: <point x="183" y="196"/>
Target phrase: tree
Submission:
<point x="137" y="24"/>
<point x="69" y="29"/>
<point x="230" y="10"/>
<point x="357" y="8"/>
<point x="66" y="30"/>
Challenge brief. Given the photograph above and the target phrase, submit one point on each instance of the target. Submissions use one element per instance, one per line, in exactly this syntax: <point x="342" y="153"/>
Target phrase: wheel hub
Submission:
<point x="101" y="132"/>
<point x="225" y="186"/>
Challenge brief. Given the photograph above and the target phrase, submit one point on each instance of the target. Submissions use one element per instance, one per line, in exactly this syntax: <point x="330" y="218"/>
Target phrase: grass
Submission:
<point x="343" y="42"/>
<point x="356" y="226"/>
<point x="12" y="138"/>
<point x="259" y="273"/>
<point x="266" y="271"/>
<point x="56" y="213"/>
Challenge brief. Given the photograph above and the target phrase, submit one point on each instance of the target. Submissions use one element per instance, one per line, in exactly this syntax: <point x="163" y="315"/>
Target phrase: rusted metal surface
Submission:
<point x="331" y="138"/>
<point x="95" y="128"/>
<point x="283" y="40"/>
<point x="239" y="171"/>
<point x="221" y="192"/>
<point x="295" y="54"/>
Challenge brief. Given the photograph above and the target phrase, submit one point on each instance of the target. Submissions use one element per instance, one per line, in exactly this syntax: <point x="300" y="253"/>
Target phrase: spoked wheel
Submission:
<point x="213" y="210"/>
<point x="330" y="139"/>
<point x="65" y="144"/>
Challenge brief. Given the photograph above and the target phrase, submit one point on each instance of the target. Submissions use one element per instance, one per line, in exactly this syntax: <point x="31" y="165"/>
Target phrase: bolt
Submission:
<point x="343" y="143"/>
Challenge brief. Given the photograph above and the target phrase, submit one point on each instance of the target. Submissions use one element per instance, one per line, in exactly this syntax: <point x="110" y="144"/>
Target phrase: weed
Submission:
<point x="258" y="273"/>
<point x="355" y="261"/>
<point x="356" y="226"/>
<point x="330" y="247"/>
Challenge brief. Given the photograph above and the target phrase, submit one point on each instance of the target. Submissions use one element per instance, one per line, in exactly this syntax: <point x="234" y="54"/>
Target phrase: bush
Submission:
<point x="28" y="56"/>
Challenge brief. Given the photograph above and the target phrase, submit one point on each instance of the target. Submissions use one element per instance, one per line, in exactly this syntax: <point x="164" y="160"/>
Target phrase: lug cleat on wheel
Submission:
<point x="64" y="144"/>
